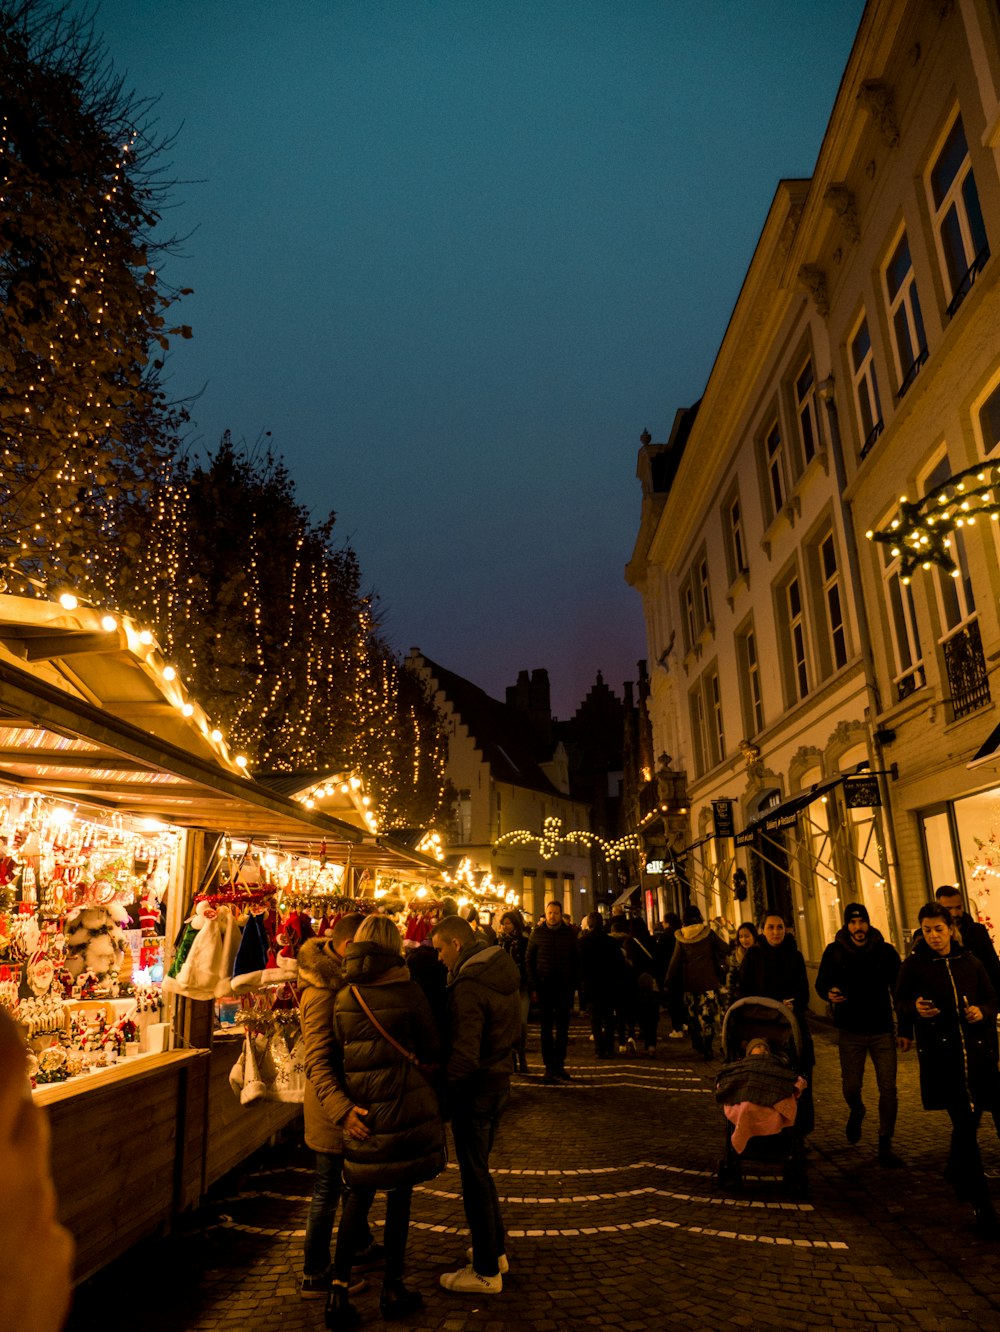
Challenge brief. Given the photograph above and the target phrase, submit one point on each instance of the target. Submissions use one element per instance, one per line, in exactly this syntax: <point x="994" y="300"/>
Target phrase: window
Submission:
<point x="707" y="730"/>
<point x="749" y="671"/>
<point x="955" y="599"/>
<point x="696" y="601"/>
<point x="909" y="343"/>
<point x="805" y="408"/>
<point x="989" y="422"/>
<point x="791" y="613"/>
<point x="717" y="736"/>
<point x="902" y="627"/>
<point x="704" y="591"/>
<point x="866" y="399"/>
<point x="732" y="526"/>
<point x="960" y="642"/>
<point x="830" y="575"/>
<point x="773" y="462"/>
<point x="690" y="618"/>
<point x="699" y="734"/>
<point x="736" y="535"/>
<point x="958" y="218"/>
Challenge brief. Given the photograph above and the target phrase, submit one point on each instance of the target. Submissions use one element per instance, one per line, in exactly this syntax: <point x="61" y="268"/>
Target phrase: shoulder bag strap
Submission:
<point x="407" y="1054"/>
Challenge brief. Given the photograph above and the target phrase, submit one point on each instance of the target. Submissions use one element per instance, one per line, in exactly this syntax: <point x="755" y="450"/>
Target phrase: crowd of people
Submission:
<point x="399" y="1042"/>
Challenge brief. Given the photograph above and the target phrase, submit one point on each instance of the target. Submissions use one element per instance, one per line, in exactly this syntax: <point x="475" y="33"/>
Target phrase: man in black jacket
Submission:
<point x="552" y="962"/>
<point x="484" y="1009"/>
<point x="857" y="976"/>
<point x="972" y="935"/>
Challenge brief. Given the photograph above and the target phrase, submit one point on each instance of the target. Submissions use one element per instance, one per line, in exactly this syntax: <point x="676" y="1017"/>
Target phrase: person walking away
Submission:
<point x="697" y="971"/>
<point x="944" y="990"/>
<point x="857" y="977"/>
<point x="671" y="1000"/>
<point x="513" y="940"/>
<point x="384" y="1032"/>
<point x="325" y="1106"/>
<point x="639" y="957"/>
<point x="603" y="979"/>
<point x="552" y="962"/>
<point x="775" y="968"/>
<point x="484" y="1010"/>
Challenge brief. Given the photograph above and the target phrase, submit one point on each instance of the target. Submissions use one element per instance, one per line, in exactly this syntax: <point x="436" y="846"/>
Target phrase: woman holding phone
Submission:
<point x="947" y="994"/>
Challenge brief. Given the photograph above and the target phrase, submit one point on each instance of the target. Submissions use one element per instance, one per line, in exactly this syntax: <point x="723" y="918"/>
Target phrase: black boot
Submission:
<point x="886" y="1156"/>
<point x="987" y="1224"/>
<point x="396" y="1301"/>
<point x="340" y="1312"/>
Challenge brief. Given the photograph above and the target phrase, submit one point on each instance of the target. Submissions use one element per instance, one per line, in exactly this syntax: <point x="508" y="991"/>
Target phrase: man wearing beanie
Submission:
<point x="857" y="977"/>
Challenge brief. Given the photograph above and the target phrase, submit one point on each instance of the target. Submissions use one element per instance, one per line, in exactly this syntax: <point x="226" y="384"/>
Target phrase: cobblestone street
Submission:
<point x="615" y="1220"/>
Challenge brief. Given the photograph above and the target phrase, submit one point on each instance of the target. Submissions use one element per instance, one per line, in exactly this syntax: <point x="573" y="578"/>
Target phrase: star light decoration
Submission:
<point x="920" y="535"/>
<point x="552" y="840"/>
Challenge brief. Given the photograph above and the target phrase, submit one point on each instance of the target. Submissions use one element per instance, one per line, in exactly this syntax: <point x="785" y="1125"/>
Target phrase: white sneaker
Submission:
<point x="468" y="1281"/>
<point x="502" y="1262"/>
<point x="676" y="1035"/>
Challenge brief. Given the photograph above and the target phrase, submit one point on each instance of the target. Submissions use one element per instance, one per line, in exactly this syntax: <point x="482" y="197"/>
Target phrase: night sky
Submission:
<point x="455" y="255"/>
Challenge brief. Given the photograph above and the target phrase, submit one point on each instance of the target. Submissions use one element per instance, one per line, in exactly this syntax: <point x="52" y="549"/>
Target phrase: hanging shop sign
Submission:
<point x="723" y="818"/>
<point x="861" y="791"/>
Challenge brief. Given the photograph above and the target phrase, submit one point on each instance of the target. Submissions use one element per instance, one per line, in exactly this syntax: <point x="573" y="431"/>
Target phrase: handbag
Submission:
<point x="430" y="1071"/>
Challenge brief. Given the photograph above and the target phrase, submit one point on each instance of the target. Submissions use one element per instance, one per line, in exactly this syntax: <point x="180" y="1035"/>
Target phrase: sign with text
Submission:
<point x="723" y="816"/>
<point x="861" y="791"/>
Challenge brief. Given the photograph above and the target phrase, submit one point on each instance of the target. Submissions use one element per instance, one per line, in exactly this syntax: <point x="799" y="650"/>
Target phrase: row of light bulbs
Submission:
<point x="110" y="623"/>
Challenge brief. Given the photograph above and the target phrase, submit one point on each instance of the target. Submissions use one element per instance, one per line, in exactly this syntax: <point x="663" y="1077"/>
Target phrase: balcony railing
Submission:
<point x="873" y="435"/>
<point x="909" y="683"/>
<point x="965" y="666"/>
<point x="965" y="286"/>
<point x="911" y="374"/>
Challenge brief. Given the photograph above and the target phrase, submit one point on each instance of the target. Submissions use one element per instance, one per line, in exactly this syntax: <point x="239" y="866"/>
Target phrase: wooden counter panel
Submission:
<point x="235" y="1130"/>
<point x="119" y="1146"/>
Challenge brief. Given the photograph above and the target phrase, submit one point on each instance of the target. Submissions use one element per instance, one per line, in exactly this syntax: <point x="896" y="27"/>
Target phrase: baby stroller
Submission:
<point x="747" y="1021"/>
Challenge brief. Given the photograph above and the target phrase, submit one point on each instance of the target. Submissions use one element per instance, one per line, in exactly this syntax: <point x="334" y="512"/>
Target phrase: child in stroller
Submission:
<point x="758" y="1089"/>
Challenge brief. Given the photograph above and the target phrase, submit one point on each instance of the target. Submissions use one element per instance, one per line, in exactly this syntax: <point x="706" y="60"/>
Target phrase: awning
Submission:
<point x="623" y="897"/>
<point x="988" y="751"/>
<point x="66" y="748"/>
<point x="785" y="815"/>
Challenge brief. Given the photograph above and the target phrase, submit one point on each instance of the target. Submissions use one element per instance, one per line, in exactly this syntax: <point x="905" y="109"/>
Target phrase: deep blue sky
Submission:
<point x="455" y="255"/>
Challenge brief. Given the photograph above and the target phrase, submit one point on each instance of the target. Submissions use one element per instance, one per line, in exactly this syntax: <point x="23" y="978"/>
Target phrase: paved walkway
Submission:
<point x="615" y="1220"/>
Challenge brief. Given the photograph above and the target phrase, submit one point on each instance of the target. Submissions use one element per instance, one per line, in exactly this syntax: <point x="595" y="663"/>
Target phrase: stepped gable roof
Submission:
<point x="502" y="734"/>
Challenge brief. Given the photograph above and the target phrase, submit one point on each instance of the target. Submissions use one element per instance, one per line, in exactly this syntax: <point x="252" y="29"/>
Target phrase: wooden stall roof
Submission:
<point x="87" y="717"/>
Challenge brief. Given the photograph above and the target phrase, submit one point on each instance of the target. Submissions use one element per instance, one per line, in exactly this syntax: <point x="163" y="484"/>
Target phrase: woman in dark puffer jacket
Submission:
<point x="401" y="1142"/>
<point x="775" y="968"/>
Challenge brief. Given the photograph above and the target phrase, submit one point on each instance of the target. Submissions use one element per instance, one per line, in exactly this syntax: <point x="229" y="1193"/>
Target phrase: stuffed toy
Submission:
<point x="94" y="939"/>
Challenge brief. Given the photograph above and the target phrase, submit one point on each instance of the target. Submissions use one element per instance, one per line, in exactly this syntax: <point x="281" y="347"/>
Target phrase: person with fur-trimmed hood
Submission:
<point x="698" y="971"/>
<point x="388" y="1042"/>
<point x="857" y="976"/>
<point x="485" y="1028"/>
<point x="326" y="1107"/>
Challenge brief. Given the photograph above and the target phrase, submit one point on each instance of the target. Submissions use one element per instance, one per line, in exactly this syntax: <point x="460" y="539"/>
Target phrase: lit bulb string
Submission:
<point x="921" y="533"/>
<point x="552" y="839"/>
<point x="143" y="645"/>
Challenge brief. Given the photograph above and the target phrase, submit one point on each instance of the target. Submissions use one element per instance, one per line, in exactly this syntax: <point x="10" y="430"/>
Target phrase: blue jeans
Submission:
<point x="853" y="1047"/>
<point x="474" y="1125"/>
<point x="328" y="1190"/>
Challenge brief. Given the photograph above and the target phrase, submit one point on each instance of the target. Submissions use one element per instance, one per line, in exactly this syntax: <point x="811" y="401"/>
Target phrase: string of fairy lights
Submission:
<point x="552" y="841"/>
<point x="920" y="535"/>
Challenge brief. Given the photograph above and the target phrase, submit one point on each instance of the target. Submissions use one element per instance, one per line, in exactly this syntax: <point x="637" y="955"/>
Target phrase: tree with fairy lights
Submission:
<point x="263" y="615"/>
<point x="83" y="417"/>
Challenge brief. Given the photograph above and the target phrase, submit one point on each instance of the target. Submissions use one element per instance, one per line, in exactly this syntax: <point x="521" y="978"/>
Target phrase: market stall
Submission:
<point x="117" y="797"/>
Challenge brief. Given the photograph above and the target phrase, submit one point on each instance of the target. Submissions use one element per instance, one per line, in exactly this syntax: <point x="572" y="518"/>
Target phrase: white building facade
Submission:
<point x="793" y="673"/>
